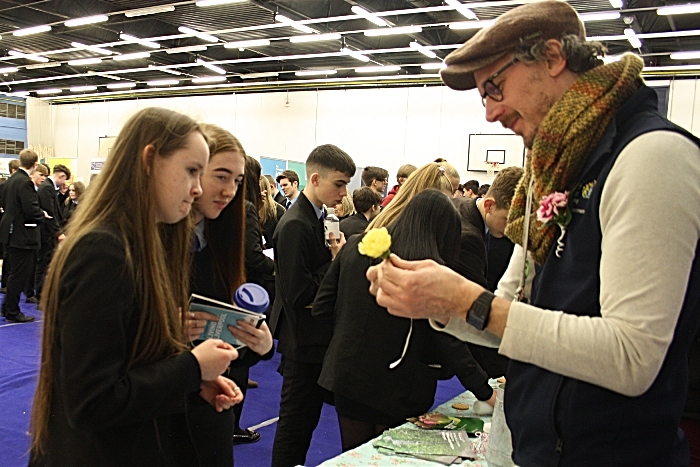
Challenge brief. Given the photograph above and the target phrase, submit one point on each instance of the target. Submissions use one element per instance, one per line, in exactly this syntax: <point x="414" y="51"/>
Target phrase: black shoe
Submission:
<point x="33" y="300"/>
<point x="19" y="318"/>
<point x="246" y="436"/>
<point x="252" y="384"/>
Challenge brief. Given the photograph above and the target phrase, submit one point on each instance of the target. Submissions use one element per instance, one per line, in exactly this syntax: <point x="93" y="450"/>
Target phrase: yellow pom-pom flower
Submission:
<point x="376" y="243"/>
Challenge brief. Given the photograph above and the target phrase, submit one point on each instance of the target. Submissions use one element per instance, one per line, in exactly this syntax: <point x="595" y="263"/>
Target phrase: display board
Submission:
<point x="72" y="164"/>
<point x="356" y="180"/>
<point x="300" y="169"/>
<point x="275" y="167"/>
<point x="272" y="167"/>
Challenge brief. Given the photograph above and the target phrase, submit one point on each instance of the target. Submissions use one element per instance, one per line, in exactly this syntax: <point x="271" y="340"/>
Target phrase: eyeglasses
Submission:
<point x="491" y="89"/>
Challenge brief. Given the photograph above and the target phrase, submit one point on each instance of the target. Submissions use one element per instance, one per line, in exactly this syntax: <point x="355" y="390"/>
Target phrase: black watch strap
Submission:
<point x="478" y="314"/>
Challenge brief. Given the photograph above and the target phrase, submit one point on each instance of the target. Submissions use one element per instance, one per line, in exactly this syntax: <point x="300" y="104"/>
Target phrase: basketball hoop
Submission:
<point x="491" y="168"/>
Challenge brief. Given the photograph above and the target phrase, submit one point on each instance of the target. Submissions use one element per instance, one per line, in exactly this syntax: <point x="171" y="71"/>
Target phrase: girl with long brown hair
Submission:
<point x="218" y="269"/>
<point x="75" y="191"/>
<point x="116" y="375"/>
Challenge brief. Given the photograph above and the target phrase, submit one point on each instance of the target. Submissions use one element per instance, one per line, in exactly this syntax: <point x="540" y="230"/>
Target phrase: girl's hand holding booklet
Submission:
<point x="229" y="315"/>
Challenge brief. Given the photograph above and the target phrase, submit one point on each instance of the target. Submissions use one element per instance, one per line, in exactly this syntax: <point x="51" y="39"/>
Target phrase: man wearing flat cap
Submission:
<point x="598" y="372"/>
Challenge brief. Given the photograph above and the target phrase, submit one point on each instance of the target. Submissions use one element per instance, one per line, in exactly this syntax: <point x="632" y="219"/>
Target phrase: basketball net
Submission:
<point x="491" y="168"/>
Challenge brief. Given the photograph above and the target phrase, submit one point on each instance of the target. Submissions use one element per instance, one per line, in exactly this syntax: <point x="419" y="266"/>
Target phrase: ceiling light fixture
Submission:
<point x="460" y="7"/>
<point x="355" y="54"/>
<point x="290" y="22"/>
<point x="315" y="37"/>
<point x="191" y="48"/>
<point x="604" y="16"/>
<point x="36" y="66"/>
<point x="632" y="38"/>
<point x="648" y="35"/>
<point x="33" y="57"/>
<point x="83" y="88"/>
<point x="163" y="82"/>
<point x="86" y="20"/>
<point x="471" y="24"/>
<point x="315" y="72"/>
<point x="30" y="31"/>
<point x="129" y="84"/>
<point x="104" y="75"/>
<point x="130" y="38"/>
<point x="377" y="69"/>
<point x="422" y="49"/>
<point x="9" y="69"/>
<point x="212" y="67"/>
<point x="208" y="79"/>
<point x="85" y="61"/>
<point x="267" y="74"/>
<point x="616" y="3"/>
<point x="671" y="68"/>
<point x="134" y="56"/>
<point x="41" y="92"/>
<point x="18" y="93"/>
<point x="216" y="2"/>
<point x="149" y="11"/>
<point x="685" y="55"/>
<point x="679" y="9"/>
<point x="247" y="44"/>
<point x="433" y="66"/>
<point x="359" y="11"/>
<point x="201" y="35"/>
<point x="390" y="31"/>
<point x="91" y="48"/>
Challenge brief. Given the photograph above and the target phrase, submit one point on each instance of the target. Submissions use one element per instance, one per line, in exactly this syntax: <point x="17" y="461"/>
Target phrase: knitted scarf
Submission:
<point x="569" y="132"/>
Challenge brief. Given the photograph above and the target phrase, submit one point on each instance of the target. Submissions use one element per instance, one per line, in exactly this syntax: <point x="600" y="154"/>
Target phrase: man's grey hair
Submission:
<point x="581" y="56"/>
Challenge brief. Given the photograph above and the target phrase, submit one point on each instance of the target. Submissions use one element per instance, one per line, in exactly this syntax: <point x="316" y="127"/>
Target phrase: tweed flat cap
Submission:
<point x="548" y="19"/>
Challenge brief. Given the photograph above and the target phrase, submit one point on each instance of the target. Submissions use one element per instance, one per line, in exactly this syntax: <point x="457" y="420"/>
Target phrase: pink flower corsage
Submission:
<point x="554" y="210"/>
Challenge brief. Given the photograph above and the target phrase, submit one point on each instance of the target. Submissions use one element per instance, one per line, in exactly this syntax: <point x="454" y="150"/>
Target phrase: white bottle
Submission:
<point x="331" y="224"/>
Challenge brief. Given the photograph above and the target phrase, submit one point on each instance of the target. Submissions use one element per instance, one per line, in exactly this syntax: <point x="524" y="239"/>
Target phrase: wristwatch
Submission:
<point x="478" y="314"/>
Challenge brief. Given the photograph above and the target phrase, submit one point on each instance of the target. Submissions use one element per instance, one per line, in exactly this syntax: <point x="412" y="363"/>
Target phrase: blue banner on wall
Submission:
<point x="272" y="167"/>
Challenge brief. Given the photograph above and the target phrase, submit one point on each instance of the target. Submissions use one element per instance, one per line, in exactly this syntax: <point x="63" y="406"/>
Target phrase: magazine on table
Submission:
<point x="228" y="315"/>
<point x="443" y="446"/>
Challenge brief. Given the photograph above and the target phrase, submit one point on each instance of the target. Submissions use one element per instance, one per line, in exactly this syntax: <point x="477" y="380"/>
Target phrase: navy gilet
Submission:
<point x="556" y="420"/>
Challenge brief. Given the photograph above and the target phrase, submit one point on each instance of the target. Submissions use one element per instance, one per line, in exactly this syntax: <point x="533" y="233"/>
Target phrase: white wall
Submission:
<point x="684" y="104"/>
<point x="386" y="127"/>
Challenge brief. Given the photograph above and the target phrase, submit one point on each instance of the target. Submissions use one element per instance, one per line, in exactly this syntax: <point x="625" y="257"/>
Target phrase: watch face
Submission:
<point x="479" y="313"/>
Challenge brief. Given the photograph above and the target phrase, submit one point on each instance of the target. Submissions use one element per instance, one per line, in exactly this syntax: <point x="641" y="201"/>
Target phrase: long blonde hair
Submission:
<point x="268" y="210"/>
<point x="348" y="205"/>
<point x="431" y="175"/>
<point x="121" y="200"/>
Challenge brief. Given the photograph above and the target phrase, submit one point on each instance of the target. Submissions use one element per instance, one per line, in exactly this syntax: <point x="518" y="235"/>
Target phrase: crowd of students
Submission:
<point x="124" y="377"/>
<point x="37" y="219"/>
<point x="179" y="207"/>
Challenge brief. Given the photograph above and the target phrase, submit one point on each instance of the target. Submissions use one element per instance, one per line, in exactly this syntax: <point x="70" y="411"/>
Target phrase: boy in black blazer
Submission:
<point x="301" y="260"/>
<point x="51" y="228"/>
<point x="368" y="204"/>
<point x="19" y="231"/>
